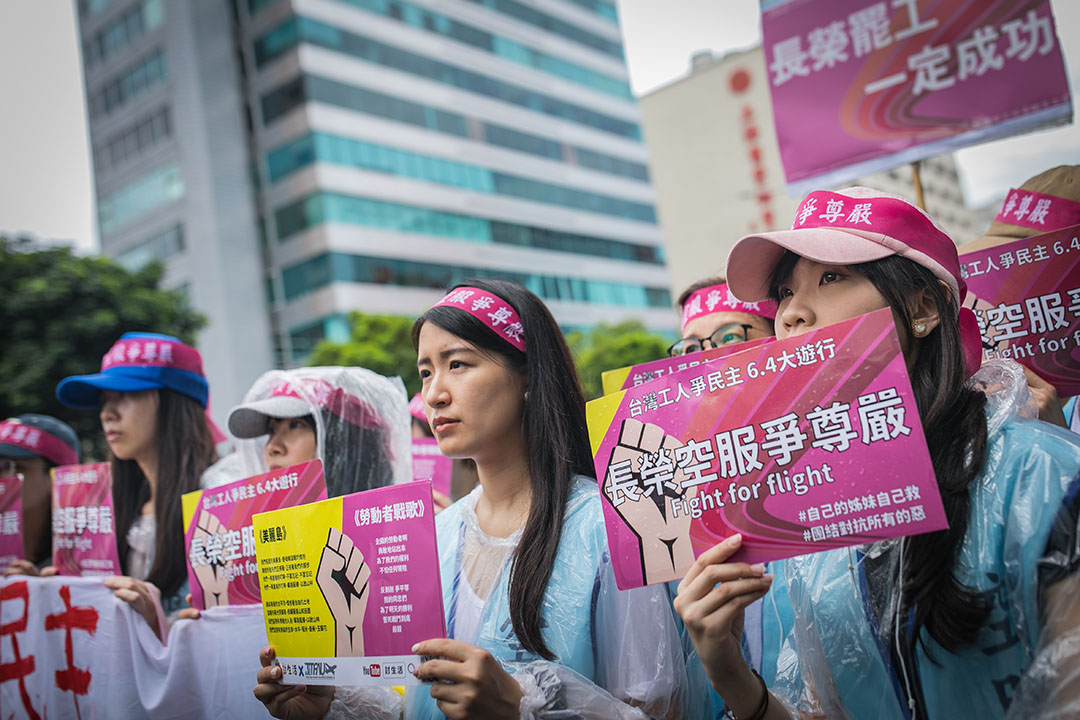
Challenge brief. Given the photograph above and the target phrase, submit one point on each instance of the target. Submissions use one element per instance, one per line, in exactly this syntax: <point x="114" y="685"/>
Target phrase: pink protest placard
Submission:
<point x="218" y="533"/>
<point x="430" y="464"/>
<point x="11" y="535"/>
<point x="805" y="444"/>
<point x="350" y="584"/>
<point x="84" y="535"/>
<point x="628" y="377"/>
<point x="1026" y="297"/>
<point x="861" y="86"/>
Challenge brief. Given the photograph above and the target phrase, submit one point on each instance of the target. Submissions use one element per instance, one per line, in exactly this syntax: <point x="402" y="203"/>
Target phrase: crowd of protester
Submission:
<point x="981" y="619"/>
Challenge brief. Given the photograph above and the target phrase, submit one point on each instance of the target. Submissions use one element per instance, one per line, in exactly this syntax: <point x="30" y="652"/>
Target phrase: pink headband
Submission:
<point x="1038" y="211"/>
<point x="718" y="298"/>
<point x="489" y="309"/>
<point x="141" y="352"/>
<point x="416" y="408"/>
<point x="348" y="407"/>
<point x="37" y="441"/>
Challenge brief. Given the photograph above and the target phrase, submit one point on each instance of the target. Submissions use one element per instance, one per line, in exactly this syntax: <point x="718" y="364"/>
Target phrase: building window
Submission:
<point x="358" y="46"/>
<point x="312" y="88"/>
<point x="309" y="275"/>
<point x="133" y="82"/>
<point x="321" y="208"/>
<point x="525" y="13"/>
<point x="321" y="147"/>
<point x="147" y="193"/>
<point x="433" y="22"/>
<point x="122" y="32"/>
<point x="135" y="139"/>
<point x="161" y="247"/>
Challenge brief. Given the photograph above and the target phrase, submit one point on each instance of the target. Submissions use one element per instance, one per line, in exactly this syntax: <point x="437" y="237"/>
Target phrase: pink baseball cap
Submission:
<point x="849" y="227"/>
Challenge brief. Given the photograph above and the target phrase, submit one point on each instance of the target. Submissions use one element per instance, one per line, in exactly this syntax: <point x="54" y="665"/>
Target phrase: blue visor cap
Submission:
<point x="84" y="391"/>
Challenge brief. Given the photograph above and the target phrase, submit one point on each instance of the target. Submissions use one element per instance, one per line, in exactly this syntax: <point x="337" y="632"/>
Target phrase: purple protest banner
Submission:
<point x="430" y="464"/>
<point x="861" y="86"/>
<point x="219" y="538"/>
<point x="1026" y="297"/>
<point x="634" y="375"/>
<point x="804" y="444"/>
<point x="350" y="584"/>
<point x="11" y="534"/>
<point x="84" y="535"/>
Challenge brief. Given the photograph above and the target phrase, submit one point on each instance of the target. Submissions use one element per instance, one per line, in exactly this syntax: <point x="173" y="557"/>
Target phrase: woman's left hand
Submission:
<point x="440" y="501"/>
<point x="1046" y="396"/>
<point x="469" y="682"/>
<point x="21" y="567"/>
<point x="190" y="612"/>
<point x="136" y="594"/>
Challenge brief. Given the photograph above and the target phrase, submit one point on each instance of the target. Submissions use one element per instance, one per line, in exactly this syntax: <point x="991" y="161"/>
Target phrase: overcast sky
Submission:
<point x="46" y="185"/>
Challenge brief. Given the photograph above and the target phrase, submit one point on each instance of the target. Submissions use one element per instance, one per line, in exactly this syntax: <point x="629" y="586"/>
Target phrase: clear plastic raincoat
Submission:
<point x="619" y="654"/>
<point x="824" y="635"/>
<point x="361" y="427"/>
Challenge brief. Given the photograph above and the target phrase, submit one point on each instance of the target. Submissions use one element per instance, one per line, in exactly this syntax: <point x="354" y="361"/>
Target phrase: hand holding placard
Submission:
<point x="642" y="453"/>
<point x="348" y="597"/>
<point x="807" y="443"/>
<point x="349" y="585"/>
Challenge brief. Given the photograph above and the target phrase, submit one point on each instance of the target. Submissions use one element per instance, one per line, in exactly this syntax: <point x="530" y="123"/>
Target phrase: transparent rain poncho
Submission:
<point x="826" y="628"/>
<point x="361" y="426"/>
<point x="619" y="654"/>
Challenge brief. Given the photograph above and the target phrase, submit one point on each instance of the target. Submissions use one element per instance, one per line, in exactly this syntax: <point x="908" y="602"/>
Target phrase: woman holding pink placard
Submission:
<point x="536" y="625"/>
<point x="980" y="620"/>
<point x="151" y="395"/>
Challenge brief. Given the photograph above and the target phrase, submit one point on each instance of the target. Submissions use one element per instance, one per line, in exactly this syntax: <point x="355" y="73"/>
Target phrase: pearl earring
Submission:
<point x="919" y="329"/>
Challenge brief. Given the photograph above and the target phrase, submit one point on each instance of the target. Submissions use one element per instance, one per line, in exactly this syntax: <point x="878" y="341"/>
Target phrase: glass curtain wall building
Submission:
<point x="388" y="148"/>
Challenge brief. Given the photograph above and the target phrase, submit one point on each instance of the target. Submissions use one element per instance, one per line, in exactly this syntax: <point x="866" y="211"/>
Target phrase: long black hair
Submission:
<point x="355" y="458"/>
<point x="555" y="433"/>
<point x="185" y="449"/>
<point x="954" y="423"/>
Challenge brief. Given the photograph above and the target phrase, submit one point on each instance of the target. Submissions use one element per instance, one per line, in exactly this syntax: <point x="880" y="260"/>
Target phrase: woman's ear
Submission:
<point x="925" y="315"/>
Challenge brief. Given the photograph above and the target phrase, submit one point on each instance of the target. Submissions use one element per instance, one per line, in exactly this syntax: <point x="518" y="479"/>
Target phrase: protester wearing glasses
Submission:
<point x="712" y="317"/>
<point x="978" y="620"/>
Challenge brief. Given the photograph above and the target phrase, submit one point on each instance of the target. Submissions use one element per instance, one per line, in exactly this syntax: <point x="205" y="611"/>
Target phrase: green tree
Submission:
<point x="381" y="343"/>
<point x="60" y="313"/>
<point x="607" y="347"/>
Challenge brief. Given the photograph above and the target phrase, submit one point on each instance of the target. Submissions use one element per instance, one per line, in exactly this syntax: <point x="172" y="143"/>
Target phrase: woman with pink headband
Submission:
<point x="151" y="396"/>
<point x="536" y="626"/>
<point x="1046" y="202"/>
<point x="979" y="620"/>
<point x="712" y="317"/>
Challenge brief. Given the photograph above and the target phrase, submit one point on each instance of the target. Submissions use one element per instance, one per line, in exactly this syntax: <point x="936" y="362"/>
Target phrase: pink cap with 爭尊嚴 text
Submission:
<point x="849" y="227"/>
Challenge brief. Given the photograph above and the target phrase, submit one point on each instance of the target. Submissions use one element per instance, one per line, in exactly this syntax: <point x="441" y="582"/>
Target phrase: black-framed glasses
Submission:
<point x="730" y="334"/>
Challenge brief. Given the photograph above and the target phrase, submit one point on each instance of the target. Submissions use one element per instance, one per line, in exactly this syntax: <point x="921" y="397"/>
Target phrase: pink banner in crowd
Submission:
<point x="430" y="464"/>
<point x="861" y="86"/>
<point x="219" y="538"/>
<point x="84" y="520"/>
<point x="11" y="534"/>
<point x="805" y="444"/>
<point x="350" y="584"/>
<point x="1026" y="297"/>
<point x="628" y="377"/>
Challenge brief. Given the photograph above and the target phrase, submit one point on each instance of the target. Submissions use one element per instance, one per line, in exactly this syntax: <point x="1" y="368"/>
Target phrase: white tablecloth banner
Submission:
<point x="70" y="649"/>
